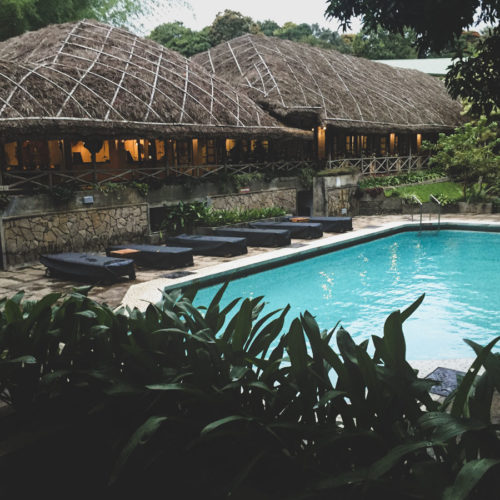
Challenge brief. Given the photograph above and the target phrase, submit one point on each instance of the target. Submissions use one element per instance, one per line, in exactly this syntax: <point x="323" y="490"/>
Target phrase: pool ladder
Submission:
<point x="439" y="204"/>
<point x="421" y="209"/>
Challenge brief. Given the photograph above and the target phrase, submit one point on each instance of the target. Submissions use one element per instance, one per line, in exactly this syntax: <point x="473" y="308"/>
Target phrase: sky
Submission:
<point x="201" y="13"/>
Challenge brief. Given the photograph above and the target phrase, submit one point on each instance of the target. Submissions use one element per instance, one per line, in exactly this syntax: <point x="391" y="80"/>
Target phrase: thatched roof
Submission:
<point x="88" y="78"/>
<point x="299" y="83"/>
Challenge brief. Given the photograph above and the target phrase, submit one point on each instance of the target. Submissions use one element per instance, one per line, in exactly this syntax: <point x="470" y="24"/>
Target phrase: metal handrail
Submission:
<point x="414" y="197"/>
<point x="440" y="205"/>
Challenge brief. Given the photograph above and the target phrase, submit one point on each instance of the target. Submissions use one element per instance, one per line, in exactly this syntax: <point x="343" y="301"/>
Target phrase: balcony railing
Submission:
<point x="372" y="165"/>
<point x="27" y="180"/>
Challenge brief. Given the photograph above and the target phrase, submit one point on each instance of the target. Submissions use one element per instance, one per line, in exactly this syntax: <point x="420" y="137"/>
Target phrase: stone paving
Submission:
<point x="32" y="280"/>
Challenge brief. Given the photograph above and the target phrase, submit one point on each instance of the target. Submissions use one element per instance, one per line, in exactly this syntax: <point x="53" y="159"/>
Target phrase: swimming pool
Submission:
<point x="361" y="285"/>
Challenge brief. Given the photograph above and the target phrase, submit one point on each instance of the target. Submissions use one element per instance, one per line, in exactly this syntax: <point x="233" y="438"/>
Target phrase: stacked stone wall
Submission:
<point x="284" y="198"/>
<point x="27" y="237"/>
<point x="341" y="201"/>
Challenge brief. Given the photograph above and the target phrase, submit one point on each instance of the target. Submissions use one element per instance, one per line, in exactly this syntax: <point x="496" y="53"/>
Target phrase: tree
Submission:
<point x="477" y="77"/>
<point x="268" y="27"/>
<point x="469" y="155"/>
<point x="230" y="24"/>
<point x="382" y="44"/>
<point x="18" y="16"/>
<point x="180" y="38"/>
<point x="436" y="24"/>
<point x="295" y="32"/>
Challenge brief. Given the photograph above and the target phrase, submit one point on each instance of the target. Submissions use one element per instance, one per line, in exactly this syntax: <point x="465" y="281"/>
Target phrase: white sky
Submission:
<point x="201" y="13"/>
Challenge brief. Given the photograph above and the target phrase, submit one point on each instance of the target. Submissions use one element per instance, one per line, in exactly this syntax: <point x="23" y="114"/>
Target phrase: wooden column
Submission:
<point x="2" y="161"/>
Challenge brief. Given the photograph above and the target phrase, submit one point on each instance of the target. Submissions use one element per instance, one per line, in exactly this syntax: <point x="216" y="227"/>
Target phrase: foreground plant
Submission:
<point x="222" y="401"/>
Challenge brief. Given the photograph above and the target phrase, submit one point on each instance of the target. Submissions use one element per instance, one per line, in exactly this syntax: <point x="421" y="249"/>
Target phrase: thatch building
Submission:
<point x="356" y="106"/>
<point x="86" y="94"/>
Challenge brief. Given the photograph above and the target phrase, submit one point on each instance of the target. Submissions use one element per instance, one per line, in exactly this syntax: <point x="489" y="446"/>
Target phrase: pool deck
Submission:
<point x="146" y="288"/>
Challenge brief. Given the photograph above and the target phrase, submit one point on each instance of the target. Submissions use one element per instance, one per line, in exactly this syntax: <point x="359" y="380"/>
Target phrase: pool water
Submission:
<point x="363" y="284"/>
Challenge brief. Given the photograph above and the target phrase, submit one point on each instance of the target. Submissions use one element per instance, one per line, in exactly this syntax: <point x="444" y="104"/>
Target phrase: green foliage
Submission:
<point x="18" y="16"/>
<point x="223" y="401"/>
<point x="184" y="40"/>
<point x="63" y="193"/>
<point x="141" y="187"/>
<point x="214" y="217"/>
<point x="228" y="25"/>
<point x="4" y="201"/>
<point x="470" y="155"/>
<point x="404" y="178"/>
<point x="110" y="187"/>
<point x="306" y="176"/>
<point x="439" y="26"/>
<point x="382" y="44"/>
<point x="476" y="77"/>
<point x="449" y="191"/>
<point x="231" y="24"/>
<point x="244" y="180"/>
<point x="185" y="216"/>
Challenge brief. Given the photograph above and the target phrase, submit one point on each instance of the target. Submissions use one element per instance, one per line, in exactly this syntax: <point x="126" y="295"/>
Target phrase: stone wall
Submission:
<point x="284" y="198"/>
<point x="92" y="229"/>
<point x="334" y="195"/>
<point x="341" y="202"/>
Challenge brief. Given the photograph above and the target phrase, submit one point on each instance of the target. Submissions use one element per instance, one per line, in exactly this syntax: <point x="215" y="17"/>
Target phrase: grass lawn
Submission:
<point x="451" y="190"/>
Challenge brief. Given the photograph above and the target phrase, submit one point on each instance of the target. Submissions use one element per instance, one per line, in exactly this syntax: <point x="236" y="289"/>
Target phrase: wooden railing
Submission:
<point x="27" y="180"/>
<point x="24" y="180"/>
<point x="372" y="165"/>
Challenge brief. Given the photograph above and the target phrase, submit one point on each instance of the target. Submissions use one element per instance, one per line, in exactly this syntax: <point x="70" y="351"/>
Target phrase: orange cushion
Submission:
<point x="122" y="252"/>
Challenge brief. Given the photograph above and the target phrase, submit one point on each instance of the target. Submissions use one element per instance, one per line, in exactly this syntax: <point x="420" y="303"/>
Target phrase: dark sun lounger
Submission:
<point x="258" y="237"/>
<point x="88" y="267"/>
<point x="333" y="224"/>
<point x="220" y="246"/>
<point x="157" y="256"/>
<point x="302" y="230"/>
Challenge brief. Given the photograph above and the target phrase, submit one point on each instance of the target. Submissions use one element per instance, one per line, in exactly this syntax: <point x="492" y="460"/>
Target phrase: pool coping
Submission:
<point x="142" y="294"/>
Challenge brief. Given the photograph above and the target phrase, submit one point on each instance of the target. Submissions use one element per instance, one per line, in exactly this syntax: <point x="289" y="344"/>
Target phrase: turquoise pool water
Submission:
<point x="363" y="284"/>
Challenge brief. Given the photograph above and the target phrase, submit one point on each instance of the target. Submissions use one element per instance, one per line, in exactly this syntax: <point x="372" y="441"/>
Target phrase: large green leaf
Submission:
<point x="12" y="311"/>
<point x="394" y="340"/>
<point x="297" y="350"/>
<point x="468" y="478"/>
<point x="411" y="309"/>
<point x="243" y="325"/>
<point x="223" y="421"/>
<point x="263" y="340"/>
<point x="139" y="438"/>
<point x="491" y="363"/>
<point x="459" y="404"/>
<point x="393" y="457"/>
<point x="445" y="426"/>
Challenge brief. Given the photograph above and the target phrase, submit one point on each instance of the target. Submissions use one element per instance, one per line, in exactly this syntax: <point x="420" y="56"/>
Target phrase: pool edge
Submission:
<point x="143" y="293"/>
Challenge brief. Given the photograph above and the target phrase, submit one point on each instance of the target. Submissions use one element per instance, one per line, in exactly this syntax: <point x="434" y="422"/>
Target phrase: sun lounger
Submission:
<point x="155" y="256"/>
<point x="221" y="246"/>
<point x="88" y="267"/>
<point x="448" y="380"/>
<point x="332" y="224"/>
<point x="302" y="230"/>
<point x="258" y="237"/>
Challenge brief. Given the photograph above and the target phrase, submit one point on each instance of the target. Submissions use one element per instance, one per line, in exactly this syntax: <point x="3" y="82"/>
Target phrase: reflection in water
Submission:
<point x="362" y="285"/>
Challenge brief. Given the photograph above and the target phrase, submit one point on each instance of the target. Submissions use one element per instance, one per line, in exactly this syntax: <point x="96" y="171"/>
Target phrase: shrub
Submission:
<point x="404" y="178"/>
<point x="185" y="216"/>
<point x="217" y="401"/>
<point x="470" y="156"/>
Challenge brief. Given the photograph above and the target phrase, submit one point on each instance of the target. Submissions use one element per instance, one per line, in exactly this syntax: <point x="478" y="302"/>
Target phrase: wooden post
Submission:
<point x="67" y="156"/>
<point x="2" y="161"/>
